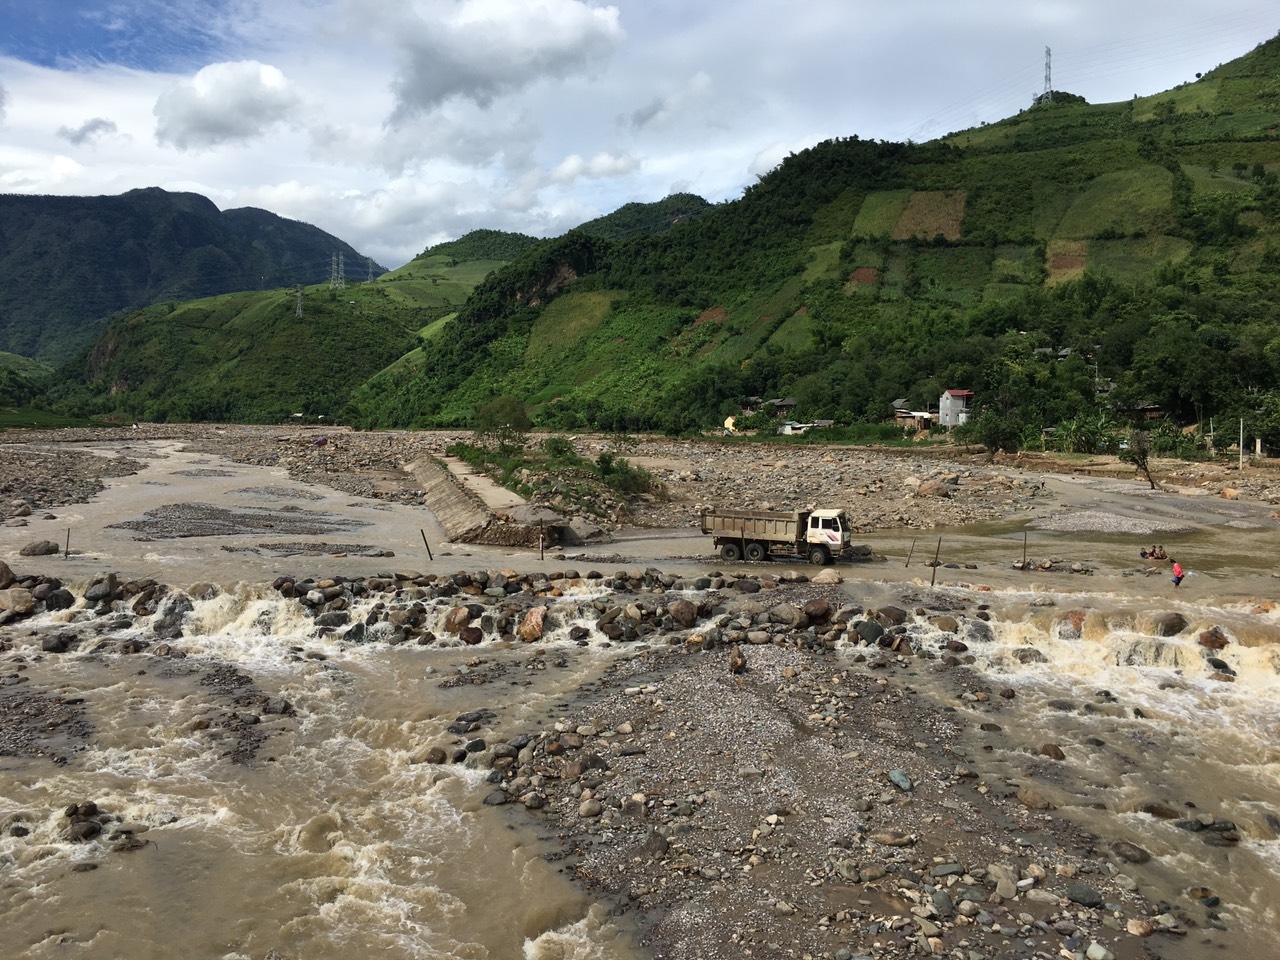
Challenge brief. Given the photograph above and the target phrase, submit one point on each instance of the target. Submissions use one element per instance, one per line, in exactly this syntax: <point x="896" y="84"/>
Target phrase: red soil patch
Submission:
<point x="714" y="315"/>
<point x="1067" y="262"/>
<point x="865" y="275"/>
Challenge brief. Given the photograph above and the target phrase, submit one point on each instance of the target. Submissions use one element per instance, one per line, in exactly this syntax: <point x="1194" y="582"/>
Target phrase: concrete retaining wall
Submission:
<point x="460" y="516"/>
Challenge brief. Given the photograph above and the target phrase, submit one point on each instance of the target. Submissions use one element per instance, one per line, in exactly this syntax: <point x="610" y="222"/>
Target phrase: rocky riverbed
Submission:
<point x="769" y="768"/>
<point x="882" y="489"/>
<point x="775" y="763"/>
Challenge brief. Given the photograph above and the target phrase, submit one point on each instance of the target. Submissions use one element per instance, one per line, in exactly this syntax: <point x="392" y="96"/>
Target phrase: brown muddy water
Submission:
<point x="337" y="841"/>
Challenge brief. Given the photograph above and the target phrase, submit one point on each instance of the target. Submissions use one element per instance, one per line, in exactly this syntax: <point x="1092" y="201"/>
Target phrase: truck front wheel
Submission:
<point x="731" y="552"/>
<point x="756" y="551"/>
<point x="818" y="556"/>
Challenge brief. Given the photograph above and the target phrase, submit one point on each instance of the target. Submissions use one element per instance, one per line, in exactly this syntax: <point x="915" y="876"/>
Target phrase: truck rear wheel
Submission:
<point x="756" y="551"/>
<point x="818" y="556"/>
<point x="731" y="552"/>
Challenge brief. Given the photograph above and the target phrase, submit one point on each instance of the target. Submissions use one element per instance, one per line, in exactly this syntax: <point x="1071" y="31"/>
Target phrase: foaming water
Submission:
<point x="333" y="840"/>
<point x="1166" y="714"/>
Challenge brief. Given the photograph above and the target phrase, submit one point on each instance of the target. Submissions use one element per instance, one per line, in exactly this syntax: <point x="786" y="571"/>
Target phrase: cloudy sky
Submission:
<point x="396" y="124"/>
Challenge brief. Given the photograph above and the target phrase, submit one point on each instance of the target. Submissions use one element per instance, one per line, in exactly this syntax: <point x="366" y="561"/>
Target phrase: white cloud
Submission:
<point x="88" y="131"/>
<point x="394" y="124"/>
<point x="600" y="166"/>
<point x="481" y="49"/>
<point x="224" y="103"/>
<point x="662" y="110"/>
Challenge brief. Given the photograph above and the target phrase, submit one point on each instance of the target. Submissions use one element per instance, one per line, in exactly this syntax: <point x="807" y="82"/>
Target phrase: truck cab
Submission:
<point x="827" y="534"/>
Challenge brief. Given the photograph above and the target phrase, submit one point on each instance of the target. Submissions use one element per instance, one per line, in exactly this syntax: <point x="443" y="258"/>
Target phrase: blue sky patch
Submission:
<point x="141" y="34"/>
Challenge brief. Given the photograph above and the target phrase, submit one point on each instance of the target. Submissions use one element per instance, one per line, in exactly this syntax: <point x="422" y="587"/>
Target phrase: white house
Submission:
<point x="953" y="407"/>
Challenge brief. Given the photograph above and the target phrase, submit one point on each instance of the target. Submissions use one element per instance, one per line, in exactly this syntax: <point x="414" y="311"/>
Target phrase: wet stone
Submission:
<point x="1084" y="895"/>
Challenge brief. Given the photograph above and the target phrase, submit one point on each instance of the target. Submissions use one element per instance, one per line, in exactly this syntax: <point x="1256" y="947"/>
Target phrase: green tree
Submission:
<point x="504" y="421"/>
<point x="996" y="431"/>
<point x="1139" y="454"/>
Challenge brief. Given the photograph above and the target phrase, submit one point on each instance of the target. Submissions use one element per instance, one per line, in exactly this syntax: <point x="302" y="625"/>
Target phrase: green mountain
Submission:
<point x="21" y="379"/>
<point x="1071" y="265"/>
<point x="647" y="219"/>
<point x="69" y="263"/>
<point x="262" y="356"/>
<point x="1075" y="260"/>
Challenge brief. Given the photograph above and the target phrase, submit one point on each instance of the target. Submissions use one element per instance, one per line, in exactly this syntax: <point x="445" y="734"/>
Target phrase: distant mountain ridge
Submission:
<point x="67" y="264"/>
<point x="1139" y="241"/>
<point x="1071" y="264"/>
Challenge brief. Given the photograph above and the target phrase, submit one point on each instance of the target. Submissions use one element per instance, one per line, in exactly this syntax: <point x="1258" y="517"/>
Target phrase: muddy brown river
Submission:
<point x="337" y="840"/>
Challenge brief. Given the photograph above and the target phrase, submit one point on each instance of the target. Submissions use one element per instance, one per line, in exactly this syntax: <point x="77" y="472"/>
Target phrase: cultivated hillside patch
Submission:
<point x="930" y="213"/>
<point x="824" y="261"/>
<point x="569" y="318"/>
<point x="1050" y="203"/>
<point x="862" y="277"/>
<point x="1132" y="260"/>
<point x="1012" y="263"/>
<point x="836" y="220"/>
<point x="956" y="274"/>
<point x="1065" y="260"/>
<point x="1126" y="201"/>
<point x="880" y="212"/>
<point x="1191" y="98"/>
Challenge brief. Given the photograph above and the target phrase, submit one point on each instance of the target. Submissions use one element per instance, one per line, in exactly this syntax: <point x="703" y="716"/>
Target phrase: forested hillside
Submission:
<point x="1076" y="266"/>
<point x="262" y="356"/>
<point x="1071" y="265"/>
<point x="67" y="264"/>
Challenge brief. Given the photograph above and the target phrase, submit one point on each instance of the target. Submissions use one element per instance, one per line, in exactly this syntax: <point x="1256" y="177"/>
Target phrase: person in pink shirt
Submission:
<point x="1177" y="574"/>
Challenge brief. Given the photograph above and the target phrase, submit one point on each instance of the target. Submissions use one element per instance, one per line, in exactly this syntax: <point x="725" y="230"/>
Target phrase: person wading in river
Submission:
<point x="1177" y="574"/>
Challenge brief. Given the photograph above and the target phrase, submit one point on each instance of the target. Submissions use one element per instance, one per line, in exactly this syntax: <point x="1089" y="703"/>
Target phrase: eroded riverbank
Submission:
<point x="1075" y="724"/>
<point x="780" y="766"/>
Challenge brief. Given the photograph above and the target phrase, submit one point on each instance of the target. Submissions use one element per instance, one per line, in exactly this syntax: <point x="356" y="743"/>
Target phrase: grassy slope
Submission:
<point x="1069" y="177"/>
<point x="1035" y="199"/>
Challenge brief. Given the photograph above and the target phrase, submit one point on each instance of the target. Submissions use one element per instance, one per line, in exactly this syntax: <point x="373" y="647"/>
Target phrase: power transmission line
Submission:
<point x="1211" y="40"/>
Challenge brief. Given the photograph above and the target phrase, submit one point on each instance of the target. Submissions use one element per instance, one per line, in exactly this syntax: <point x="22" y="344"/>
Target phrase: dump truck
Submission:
<point x="817" y="535"/>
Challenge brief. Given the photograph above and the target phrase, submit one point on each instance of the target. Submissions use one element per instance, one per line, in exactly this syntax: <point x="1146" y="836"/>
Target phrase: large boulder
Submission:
<point x="532" y="624"/>
<point x="683" y="612"/>
<point x="890" y="616"/>
<point x="41" y="548"/>
<point x="456" y="619"/>
<point x="869" y="631"/>
<point x="934" y="488"/>
<point x="17" y="600"/>
<point x="1167" y="624"/>
<point x="580" y="530"/>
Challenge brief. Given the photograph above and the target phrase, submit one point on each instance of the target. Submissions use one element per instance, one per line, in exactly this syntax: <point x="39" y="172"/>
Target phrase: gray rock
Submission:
<point x="41" y="548"/>
<point x="869" y="631"/>
<point x="1168" y="624"/>
<point x="1084" y="895"/>
<point x="18" y="600"/>
<point x="102" y="589"/>
<point x="1130" y="852"/>
<point x="943" y="903"/>
<point x="978" y="631"/>
<point x="1006" y="879"/>
<point x="901" y="780"/>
